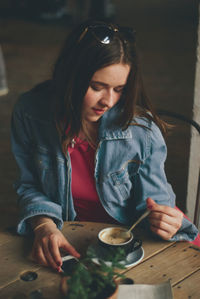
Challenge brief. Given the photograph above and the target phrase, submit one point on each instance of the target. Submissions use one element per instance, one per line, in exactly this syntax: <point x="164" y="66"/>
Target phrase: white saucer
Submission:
<point x="132" y="259"/>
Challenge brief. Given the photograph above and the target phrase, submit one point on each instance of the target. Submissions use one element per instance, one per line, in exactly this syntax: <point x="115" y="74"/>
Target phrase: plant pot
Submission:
<point x="114" y="295"/>
<point x="64" y="289"/>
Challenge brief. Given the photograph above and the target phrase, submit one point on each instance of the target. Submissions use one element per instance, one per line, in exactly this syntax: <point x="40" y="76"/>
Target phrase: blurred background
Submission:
<point x="32" y="33"/>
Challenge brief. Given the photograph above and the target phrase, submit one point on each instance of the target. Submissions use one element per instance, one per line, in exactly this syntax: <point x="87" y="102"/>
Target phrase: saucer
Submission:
<point x="132" y="259"/>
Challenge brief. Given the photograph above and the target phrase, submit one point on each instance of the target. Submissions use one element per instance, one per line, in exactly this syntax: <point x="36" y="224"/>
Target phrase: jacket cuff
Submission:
<point x="187" y="232"/>
<point x="49" y="209"/>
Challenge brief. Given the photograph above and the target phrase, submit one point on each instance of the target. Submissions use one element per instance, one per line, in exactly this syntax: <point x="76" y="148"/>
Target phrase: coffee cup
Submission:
<point x="110" y="237"/>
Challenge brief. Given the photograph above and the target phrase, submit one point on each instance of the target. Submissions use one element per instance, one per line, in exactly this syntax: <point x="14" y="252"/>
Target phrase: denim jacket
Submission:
<point x="129" y="166"/>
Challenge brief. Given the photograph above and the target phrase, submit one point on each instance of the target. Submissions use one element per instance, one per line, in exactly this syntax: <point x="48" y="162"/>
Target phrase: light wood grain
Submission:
<point x="188" y="288"/>
<point x="15" y="259"/>
<point x="174" y="263"/>
<point x="179" y="262"/>
<point x="81" y="235"/>
<point x="6" y="236"/>
<point x="48" y="282"/>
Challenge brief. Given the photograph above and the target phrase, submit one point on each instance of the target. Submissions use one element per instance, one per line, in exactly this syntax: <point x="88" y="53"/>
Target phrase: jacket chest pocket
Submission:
<point x="46" y="170"/>
<point x="123" y="178"/>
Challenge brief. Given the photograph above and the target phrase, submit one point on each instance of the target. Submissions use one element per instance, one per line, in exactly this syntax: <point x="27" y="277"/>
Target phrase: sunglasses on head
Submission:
<point x="105" y="33"/>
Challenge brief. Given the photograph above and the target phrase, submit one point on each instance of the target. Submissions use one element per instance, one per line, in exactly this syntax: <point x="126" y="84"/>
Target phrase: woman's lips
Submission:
<point x="98" y="111"/>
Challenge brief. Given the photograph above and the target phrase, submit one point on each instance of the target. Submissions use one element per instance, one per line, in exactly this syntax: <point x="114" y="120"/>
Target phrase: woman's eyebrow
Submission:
<point x="104" y="84"/>
<point x="99" y="83"/>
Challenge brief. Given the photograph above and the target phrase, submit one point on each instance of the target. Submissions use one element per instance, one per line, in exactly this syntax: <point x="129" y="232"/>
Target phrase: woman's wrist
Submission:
<point x="43" y="224"/>
<point x="39" y="221"/>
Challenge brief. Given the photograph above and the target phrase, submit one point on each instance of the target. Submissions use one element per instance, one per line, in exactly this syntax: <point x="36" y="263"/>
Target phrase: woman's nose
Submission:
<point x="108" y="99"/>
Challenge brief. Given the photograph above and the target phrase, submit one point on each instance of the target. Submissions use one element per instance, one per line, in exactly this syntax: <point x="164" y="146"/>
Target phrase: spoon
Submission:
<point x="126" y="234"/>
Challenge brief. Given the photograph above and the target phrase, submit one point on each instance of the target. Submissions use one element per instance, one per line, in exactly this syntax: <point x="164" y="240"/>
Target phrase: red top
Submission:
<point x="86" y="201"/>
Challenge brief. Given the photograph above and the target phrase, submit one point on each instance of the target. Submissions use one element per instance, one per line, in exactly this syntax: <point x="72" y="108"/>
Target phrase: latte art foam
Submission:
<point x="113" y="237"/>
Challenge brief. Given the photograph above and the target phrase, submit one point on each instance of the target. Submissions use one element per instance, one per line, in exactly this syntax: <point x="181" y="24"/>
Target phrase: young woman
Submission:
<point x="89" y="145"/>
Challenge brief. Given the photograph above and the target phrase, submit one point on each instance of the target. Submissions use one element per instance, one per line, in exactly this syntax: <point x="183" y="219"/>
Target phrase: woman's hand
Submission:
<point x="48" y="240"/>
<point x="164" y="221"/>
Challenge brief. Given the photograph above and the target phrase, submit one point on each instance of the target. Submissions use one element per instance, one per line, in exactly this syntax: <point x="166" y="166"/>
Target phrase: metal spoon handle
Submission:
<point x="146" y="213"/>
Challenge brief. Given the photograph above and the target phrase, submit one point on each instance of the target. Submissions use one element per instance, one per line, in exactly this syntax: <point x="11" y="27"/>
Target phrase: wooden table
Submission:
<point x="163" y="261"/>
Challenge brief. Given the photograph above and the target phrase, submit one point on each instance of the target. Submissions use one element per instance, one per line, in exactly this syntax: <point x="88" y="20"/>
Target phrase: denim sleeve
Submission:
<point x="31" y="201"/>
<point x="152" y="181"/>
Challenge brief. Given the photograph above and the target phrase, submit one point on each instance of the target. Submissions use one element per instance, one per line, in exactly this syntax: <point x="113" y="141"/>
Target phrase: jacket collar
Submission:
<point x="108" y="128"/>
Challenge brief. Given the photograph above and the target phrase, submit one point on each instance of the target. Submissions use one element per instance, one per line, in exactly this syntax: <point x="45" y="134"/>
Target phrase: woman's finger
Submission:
<point x="164" y="225"/>
<point x="69" y="248"/>
<point x="47" y="249"/>
<point x="38" y="255"/>
<point x="55" y="252"/>
<point x="161" y="225"/>
<point x="172" y="212"/>
<point x="162" y="218"/>
<point x="166" y="235"/>
<point x="154" y="207"/>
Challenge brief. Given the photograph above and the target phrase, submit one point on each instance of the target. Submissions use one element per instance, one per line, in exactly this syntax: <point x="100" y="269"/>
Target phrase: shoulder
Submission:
<point x="148" y="134"/>
<point x="146" y="124"/>
<point x="36" y="102"/>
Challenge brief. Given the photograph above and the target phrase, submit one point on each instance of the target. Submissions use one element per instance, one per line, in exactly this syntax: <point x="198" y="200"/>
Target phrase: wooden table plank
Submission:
<point x="48" y="282"/>
<point x="14" y="250"/>
<point x="174" y="264"/>
<point x="6" y="235"/>
<point x="188" y="288"/>
<point x="81" y="235"/>
<point x="14" y="259"/>
<point x="160" y="263"/>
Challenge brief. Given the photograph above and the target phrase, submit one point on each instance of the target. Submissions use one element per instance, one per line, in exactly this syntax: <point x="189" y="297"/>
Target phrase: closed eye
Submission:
<point x="119" y="89"/>
<point x="96" y="87"/>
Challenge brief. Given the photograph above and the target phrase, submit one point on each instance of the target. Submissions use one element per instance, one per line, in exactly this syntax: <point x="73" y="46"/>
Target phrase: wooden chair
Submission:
<point x="168" y="115"/>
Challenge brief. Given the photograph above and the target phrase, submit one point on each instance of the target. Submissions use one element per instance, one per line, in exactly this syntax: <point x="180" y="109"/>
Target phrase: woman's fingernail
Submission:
<point x="149" y="207"/>
<point x="59" y="263"/>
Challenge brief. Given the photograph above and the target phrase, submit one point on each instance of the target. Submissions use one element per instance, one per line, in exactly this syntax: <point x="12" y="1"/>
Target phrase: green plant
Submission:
<point x="90" y="280"/>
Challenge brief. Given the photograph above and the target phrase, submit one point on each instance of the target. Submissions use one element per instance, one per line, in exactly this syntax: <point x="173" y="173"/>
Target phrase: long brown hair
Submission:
<point x="81" y="56"/>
